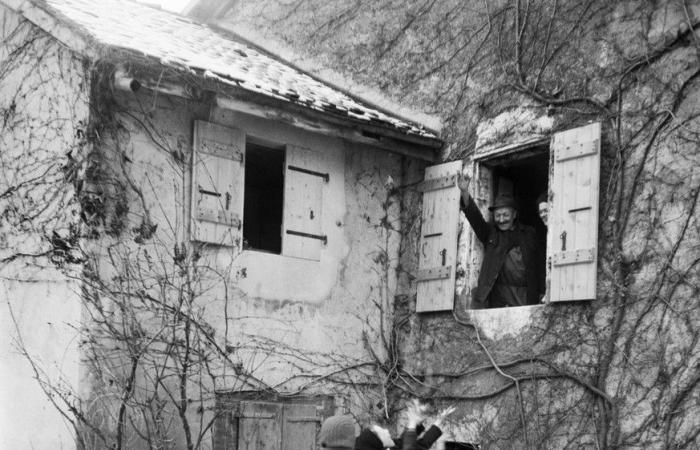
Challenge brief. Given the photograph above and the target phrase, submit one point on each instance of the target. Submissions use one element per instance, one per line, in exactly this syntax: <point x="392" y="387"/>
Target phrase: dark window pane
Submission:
<point x="264" y="197"/>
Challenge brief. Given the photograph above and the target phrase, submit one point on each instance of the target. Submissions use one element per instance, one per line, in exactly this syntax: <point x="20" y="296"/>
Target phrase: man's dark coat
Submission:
<point x="409" y="440"/>
<point x="497" y="244"/>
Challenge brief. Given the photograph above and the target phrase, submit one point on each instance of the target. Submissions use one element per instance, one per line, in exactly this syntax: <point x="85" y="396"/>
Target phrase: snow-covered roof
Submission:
<point x="179" y="42"/>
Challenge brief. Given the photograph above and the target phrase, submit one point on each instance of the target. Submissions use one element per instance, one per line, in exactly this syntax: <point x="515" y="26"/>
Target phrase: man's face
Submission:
<point x="504" y="217"/>
<point x="543" y="209"/>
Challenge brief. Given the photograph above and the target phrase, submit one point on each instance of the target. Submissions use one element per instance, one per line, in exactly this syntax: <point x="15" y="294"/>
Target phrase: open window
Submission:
<point x="263" y="197"/>
<point x="567" y="168"/>
<point x="522" y="174"/>
<point x="248" y="193"/>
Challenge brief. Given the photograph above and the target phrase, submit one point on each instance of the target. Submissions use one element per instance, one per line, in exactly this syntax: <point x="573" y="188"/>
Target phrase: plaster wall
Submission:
<point x="44" y="107"/>
<point x="332" y="294"/>
<point x="282" y="318"/>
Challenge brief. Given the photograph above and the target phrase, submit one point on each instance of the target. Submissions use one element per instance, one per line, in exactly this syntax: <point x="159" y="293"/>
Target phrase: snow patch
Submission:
<point x="511" y="127"/>
<point x="497" y="323"/>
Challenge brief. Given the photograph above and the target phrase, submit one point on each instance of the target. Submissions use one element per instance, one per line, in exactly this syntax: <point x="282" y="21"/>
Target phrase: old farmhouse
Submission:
<point x="204" y="246"/>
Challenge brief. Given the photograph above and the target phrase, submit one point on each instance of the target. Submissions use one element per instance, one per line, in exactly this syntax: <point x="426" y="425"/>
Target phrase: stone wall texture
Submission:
<point x="44" y="106"/>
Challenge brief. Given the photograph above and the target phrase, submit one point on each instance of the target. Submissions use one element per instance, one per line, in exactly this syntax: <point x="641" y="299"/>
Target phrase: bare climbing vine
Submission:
<point x="620" y="372"/>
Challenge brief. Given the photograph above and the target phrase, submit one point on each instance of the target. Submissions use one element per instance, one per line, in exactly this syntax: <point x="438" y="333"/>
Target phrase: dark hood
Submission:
<point x="368" y="441"/>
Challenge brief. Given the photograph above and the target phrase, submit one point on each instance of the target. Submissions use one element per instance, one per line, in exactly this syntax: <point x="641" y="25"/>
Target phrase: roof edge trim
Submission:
<point x="47" y="21"/>
<point x="425" y="149"/>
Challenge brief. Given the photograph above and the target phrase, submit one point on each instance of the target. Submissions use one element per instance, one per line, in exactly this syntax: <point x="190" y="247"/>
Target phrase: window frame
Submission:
<point x="483" y="196"/>
<point x="318" y="168"/>
<point x="565" y="145"/>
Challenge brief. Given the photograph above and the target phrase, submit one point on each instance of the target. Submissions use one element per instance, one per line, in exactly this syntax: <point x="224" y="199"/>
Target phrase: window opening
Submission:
<point x="263" y="198"/>
<point x="525" y="179"/>
<point x="524" y="176"/>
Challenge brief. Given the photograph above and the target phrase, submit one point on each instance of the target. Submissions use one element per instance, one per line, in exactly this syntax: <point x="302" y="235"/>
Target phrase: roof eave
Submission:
<point x="229" y="96"/>
<point x="376" y="134"/>
<point x="47" y="21"/>
<point x="420" y="147"/>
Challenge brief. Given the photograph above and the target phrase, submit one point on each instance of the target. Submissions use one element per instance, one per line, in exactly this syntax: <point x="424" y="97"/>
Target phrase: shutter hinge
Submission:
<point x="211" y="193"/>
<point x="434" y="184"/>
<point x="434" y="273"/>
<point x="321" y="237"/>
<point x="325" y="176"/>
<point x="586" y="255"/>
<point x="578" y="150"/>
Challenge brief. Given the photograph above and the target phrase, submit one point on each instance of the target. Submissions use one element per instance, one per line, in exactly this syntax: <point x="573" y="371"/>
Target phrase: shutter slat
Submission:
<point x="438" y="183"/>
<point x="301" y="425"/>
<point x="572" y="235"/>
<point x="438" y="246"/>
<point x="304" y="419"/>
<point x="259" y="426"/>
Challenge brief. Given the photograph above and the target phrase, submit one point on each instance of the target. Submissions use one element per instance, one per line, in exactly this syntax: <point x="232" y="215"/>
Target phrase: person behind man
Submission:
<point x="510" y="274"/>
<point x="543" y="212"/>
<point x="543" y="207"/>
<point x="337" y="433"/>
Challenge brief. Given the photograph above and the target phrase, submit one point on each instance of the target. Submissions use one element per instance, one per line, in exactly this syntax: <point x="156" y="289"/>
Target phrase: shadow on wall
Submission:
<point x="460" y="446"/>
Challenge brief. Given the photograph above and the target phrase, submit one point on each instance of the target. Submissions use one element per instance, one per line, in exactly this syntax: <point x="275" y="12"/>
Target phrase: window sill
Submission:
<point x="277" y="277"/>
<point x="495" y="323"/>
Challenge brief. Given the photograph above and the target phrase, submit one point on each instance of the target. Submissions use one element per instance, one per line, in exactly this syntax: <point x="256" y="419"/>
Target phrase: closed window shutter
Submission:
<point x="217" y="184"/>
<point x="259" y="426"/>
<point x="301" y="425"/>
<point x="304" y="182"/>
<point x="572" y="235"/>
<point x="438" y="244"/>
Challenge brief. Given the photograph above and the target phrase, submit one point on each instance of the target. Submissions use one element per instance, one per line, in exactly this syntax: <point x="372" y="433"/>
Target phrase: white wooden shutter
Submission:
<point x="305" y="179"/>
<point x="260" y="426"/>
<point x="217" y="184"/>
<point x="572" y="235"/>
<point x="300" y="427"/>
<point x="437" y="256"/>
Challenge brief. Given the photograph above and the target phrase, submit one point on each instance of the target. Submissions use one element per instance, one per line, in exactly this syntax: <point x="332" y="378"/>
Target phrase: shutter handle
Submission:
<point x="563" y="240"/>
<point x="228" y="201"/>
<point x="443" y="253"/>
